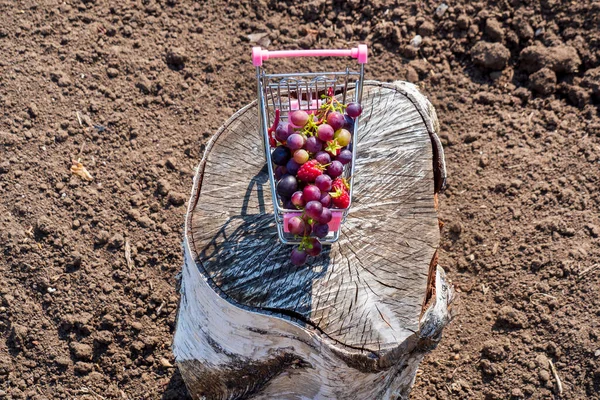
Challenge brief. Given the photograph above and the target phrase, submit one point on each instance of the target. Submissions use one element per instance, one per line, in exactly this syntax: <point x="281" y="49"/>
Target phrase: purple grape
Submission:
<point x="349" y="123"/>
<point x="353" y="110"/>
<point x="280" y="155"/>
<point x="325" y="132"/>
<point x="296" y="226"/>
<point x="335" y="169"/>
<point x="320" y="230"/>
<point x="325" y="216"/>
<point x="315" y="248"/>
<point x="313" y="209"/>
<point x="336" y="120"/>
<point x="292" y="167"/>
<point x="298" y="257"/>
<point x="287" y="185"/>
<point x="298" y="199"/>
<point x="283" y="131"/>
<point x="323" y="158"/>
<point x="310" y="193"/>
<point x="287" y="204"/>
<point x="325" y="199"/>
<point x="344" y="157"/>
<point x="313" y="144"/>
<point x="323" y="182"/>
<point x="295" y="141"/>
<point x="280" y="171"/>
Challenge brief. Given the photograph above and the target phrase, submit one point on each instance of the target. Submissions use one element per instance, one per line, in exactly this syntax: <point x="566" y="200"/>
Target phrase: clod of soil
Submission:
<point x="490" y="55"/>
<point x="543" y="81"/>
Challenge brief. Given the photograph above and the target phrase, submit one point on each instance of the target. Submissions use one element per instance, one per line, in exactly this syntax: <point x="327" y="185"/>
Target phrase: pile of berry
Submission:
<point x="310" y="152"/>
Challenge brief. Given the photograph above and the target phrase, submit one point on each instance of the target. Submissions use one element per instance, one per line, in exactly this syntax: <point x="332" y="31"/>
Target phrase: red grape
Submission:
<point x="335" y="169"/>
<point x="336" y="120"/>
<point x="323" y="158"/>
<point x="313" y="209"/>
<point x="283" y="131"/>
<point x="295" y="141"/>
<point x="325" y="216"/>
<point x="325" y="132"/>
<point x="298" y="199"/>
<point x="299" y="117"/>
<point x="353" y="110"/>
<point x="315" y="248"/>
<point x="325" y="199"/>
<point x="323" y="182"/>
<point x="311" y="192"/>
<point x="296" y="226"/>
<point x="298" y="257"/>
<point x="313" y="144"/>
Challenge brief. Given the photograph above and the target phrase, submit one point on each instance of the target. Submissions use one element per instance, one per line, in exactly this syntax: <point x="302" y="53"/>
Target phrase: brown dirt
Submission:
<point x="151" y="81"/>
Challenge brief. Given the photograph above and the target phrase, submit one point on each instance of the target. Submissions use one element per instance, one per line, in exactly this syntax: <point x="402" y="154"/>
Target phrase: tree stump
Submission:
<point x="357" y="320"/>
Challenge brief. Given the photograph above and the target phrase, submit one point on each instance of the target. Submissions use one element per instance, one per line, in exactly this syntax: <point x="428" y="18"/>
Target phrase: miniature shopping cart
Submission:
<point x="281" y="93"/>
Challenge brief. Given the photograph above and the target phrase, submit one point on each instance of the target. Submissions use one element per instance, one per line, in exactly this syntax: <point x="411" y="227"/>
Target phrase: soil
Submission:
<point x="135" y="90"/>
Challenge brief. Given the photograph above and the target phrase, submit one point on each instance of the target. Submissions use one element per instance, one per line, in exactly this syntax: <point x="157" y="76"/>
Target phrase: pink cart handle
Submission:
<point x="259" y="55"/>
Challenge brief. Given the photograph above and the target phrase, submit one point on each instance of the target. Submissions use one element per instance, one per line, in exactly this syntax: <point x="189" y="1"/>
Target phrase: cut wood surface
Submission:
<point x="365" y="297"/>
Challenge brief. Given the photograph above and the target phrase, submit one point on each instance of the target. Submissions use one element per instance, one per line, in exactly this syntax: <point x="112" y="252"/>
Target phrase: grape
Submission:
<point x="295" y="141"/>
<point x="325" y="199"/>
<point x="308" y="227"/>
<point x="343" y="137"/>
<point x="345" y="156"/>
<point x="280" y="155"/>
<point x="323" y="158"/>
<point x="313" y="144"/>
<point x="292" y="167"/>
<point x="298" y="199"/>
<point x="287" y="185"/>
<point x="299" y="117"/>
<point x="298" y="257"/>
<point x="313" y="209"/>
<point x="353" y="110"/>
<point x="320" y="230"/>
<point x="296" y="226"/>
<point x="287" y="203"/>
<point x="316" y="248"/>
<point x="280" y="171"/>
<point x="311" y="192"/>
<point x="325" y="216"/>
<point x="336" y="120"/>
<point x="325" y="132"/>
<point x="335" y="169"/>
<point x="323" y="182"/>
<point x="283" y="131"/>
<point x="349" y="124"/>
<point x="301" y="156"/>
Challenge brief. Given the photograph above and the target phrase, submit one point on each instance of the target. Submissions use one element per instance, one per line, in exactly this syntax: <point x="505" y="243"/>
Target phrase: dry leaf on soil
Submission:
<point x="78" y="169"/>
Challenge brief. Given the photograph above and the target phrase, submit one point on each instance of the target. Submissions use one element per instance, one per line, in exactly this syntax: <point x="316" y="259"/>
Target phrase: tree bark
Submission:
<point x="354" y="323"/>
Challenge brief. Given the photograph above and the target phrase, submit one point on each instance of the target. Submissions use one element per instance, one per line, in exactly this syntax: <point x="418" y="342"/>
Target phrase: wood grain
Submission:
<point x="367" y="290"/>
<point x="357" y="321"/>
